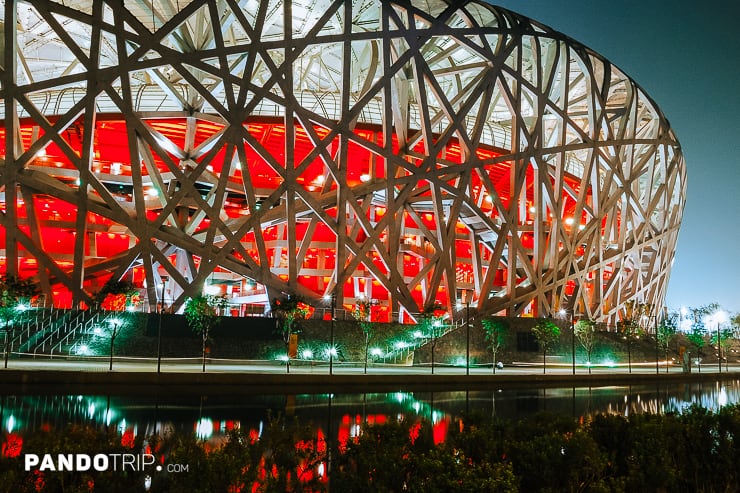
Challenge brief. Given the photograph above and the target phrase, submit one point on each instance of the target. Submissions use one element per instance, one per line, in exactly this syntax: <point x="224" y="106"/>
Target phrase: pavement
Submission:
<point x="186" y="375"/>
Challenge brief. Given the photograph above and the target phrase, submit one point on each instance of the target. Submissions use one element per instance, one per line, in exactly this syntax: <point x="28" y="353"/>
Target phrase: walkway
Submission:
<point x="271" y="377"/>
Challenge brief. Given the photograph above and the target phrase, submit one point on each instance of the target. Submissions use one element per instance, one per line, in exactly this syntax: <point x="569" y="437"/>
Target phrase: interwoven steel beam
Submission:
<point x="412" y="152"/>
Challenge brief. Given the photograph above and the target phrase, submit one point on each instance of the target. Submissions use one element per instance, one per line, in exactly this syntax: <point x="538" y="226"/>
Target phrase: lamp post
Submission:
<point x="467" y="335"/>
<point x="573" y="341"/>
<point x="664" y="318"/>
<point x="8" y="339"/>
<point x="115" y="324"/>
<point x="333" y="298"/>
<point x="467" y="338"/>
<point x="333" y="318"/>
<point x="159" y="330"/>
<point x="630" y="329"/>
<point x="655" y="325"/>
<point x="5" y="344"/>
<point x="562" y="313"/>
<point x="718" y="317"/>
<point x="719" y="348"/>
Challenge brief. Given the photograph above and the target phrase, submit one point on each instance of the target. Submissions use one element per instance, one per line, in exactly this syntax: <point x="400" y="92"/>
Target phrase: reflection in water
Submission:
<point x="341" y="417"/>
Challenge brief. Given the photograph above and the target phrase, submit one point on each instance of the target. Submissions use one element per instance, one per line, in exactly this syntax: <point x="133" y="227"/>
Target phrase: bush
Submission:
<point x="694" y="451"/>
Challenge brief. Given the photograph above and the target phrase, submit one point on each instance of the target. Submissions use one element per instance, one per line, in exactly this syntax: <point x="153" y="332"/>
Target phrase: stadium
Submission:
<point x="416" y="154"/>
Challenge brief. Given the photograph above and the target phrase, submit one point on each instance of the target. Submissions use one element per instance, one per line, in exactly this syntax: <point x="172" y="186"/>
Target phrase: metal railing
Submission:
<point x="402" y="350"/>
<point x="80" y="327"/>
<point x="69" y="322"/>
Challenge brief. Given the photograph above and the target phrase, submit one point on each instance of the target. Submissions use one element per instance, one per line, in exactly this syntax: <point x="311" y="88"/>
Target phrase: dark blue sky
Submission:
<point x="686" y="55"/>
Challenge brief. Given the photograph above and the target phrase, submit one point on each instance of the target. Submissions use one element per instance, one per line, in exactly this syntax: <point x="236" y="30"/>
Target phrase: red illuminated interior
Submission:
<point x="111" y="163"/>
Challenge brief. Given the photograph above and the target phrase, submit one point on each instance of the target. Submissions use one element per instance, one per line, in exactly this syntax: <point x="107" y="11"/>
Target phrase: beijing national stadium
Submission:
<point x="413" y="153"/>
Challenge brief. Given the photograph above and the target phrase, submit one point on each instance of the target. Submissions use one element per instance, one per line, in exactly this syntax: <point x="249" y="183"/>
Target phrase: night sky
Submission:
<point x="686" y="55"/>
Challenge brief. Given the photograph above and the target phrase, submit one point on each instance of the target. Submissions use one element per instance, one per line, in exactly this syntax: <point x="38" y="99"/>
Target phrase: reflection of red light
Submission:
<point x="39" y="483"/>
<point x="414" y="432"/>
<point x="343" y="433"/>
<point x="376" y="419"/>
<point x="12" y="446"/>
<point x="304" y="472"/>
<point x="439" y="431"/>
<point x="320" y="442"/>
<point x="128" y="439"/>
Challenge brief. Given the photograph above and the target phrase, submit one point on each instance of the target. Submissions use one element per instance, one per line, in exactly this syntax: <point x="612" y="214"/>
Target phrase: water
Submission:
<point x="343" y="414"/>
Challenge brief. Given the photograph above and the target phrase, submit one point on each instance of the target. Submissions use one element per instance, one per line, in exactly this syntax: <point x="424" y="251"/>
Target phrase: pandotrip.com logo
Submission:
<point x="97" y="462"/>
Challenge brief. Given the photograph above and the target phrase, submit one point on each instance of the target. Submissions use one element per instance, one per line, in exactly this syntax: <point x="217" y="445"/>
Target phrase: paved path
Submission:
<point x="190" y="365"/>
<point x="186" y="376"/>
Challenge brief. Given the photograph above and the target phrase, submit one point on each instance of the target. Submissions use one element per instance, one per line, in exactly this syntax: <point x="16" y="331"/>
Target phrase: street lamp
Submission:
<point x="5" y="344"/>
<point x="10" y="318"/>
<point x="333" y="298"/>
<point x="719" y="349"/>
<point x="467" y="335"/>
<point x="562" y="313"/>
<point x="435" y="325"/>
<point x="467" y="338"/>
<point x="664" y="319"/>
<point x="159" y="329"/>
<point x="657" y="357"/>
<point x="115" y="324"/>
<point x="655" y="332"/>
<point x="718" y="317"/>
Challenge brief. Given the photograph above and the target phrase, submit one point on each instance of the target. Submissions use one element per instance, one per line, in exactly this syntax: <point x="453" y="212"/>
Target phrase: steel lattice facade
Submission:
<point x="410" y="152"/>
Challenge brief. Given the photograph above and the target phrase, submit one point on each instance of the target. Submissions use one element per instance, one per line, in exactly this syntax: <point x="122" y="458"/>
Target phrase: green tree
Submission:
<point x="430" y="326"/>
<point x="630" y="329"/>
<point x="697" y="337"/>
<point x="630" y="325"/>
<point x="666" y="331"/>
<point x="585" y="331"/>
<point x="547" y="334"/>
<point x="723" y="344"/>
<point x="289" y="311"/>
<point x="697" y="334"/>
<point x="362" y="313"/>
<point x="735" y="322"/>
<point x="496" y="335"/>
<point x="202" y="315"/>
<point x="15" y="294"/>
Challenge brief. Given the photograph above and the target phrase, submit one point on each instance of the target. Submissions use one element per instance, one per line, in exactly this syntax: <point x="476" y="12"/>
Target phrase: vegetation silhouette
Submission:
<point x="697" y="450"/>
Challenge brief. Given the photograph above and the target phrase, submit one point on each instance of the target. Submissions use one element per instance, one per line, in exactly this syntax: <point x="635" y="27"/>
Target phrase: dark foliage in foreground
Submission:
<point x="696" y="451"/>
